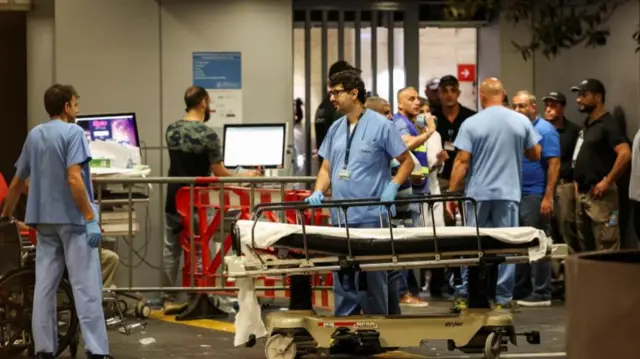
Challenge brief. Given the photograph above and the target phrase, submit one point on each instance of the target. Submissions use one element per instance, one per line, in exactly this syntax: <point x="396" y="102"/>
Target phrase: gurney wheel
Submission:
<point x="280" y="347"/>
<point x="492" y="346"/>
<point x="142" y="310"/>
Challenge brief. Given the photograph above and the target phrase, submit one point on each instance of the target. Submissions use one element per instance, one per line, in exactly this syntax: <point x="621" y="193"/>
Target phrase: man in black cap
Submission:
<point x="601" y="156"/>
<point x="565" y="219"/>
<point x="449" y="117"/>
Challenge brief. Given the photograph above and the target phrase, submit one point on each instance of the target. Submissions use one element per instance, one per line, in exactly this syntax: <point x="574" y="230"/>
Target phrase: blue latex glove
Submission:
<point x="315" y="199"/>
<point x="389" y="194"/>
<point x="94" y="233"/>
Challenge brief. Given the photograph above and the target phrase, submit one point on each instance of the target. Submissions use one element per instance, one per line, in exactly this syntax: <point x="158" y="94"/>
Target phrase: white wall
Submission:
<point x="124" y="55"/>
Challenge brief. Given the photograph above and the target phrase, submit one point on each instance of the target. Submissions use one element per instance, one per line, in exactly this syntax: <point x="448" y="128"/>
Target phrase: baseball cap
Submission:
<point x="590" y="85"/>
<point x="432" y="84"/>
<point x="556" y="96"/>
<point x="448" y="80"/>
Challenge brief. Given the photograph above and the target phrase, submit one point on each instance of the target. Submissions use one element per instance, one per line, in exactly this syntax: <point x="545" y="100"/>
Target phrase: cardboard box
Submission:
<point x="603" y="305"/>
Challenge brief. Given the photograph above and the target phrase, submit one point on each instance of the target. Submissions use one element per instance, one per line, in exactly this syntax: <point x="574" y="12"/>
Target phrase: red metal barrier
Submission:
<point x="233" y="198"/>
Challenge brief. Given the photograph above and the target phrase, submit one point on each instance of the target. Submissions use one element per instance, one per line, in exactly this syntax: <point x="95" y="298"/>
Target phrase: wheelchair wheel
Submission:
<point x="16" y="307"/>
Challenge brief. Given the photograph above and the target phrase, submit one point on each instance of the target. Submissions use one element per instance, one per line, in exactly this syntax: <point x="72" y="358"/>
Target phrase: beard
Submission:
<point x="207" y="114"/>
<point x="587" y="109"/>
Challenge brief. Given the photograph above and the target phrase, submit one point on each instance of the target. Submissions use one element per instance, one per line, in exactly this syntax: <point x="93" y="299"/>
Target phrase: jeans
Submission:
<point x="492" y="214"/>
<point x="372" y="293"/>
<point x="407" y="282"/>
<point x="173" y="250"/>
<point x="542" y="270"/>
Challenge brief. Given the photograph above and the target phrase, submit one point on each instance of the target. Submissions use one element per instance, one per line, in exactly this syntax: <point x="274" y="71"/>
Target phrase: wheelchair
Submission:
<point x="17" y="283"/>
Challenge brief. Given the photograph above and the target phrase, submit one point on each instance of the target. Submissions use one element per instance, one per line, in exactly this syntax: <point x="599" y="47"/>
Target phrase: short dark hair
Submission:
<point x="424" y="102"/>
<point x="194" y="96"/>
<point x="339" y="66"/>
<point x="350" y="80"/>
<point x="56" y="97"/>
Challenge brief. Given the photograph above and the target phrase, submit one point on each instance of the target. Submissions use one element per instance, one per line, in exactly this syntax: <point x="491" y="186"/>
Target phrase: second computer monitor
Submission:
<point x="121" y="128"/>
<point x="255" y="145"/>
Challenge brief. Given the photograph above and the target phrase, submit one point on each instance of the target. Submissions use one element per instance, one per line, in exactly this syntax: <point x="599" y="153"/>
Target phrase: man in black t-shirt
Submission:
<point x="601" y="156"/>
<point x="194" y="151"/>
<point x="450" y="117"/>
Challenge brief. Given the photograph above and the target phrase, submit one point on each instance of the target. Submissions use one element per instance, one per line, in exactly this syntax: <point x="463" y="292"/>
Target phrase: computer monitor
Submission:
<point x="121" y="127"/>
<point x="255" y="145"/>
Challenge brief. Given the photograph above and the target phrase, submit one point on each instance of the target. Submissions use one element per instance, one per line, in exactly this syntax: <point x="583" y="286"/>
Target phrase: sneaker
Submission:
<point x="411" y="301"/>
<point x="171" y="308"/>
<point x="533" y="301"/>
<point x="511" y="306"/>
<point x="459" y="304"/>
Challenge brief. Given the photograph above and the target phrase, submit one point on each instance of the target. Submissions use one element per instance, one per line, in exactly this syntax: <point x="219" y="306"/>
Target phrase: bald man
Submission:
<point x="490" y="148"/>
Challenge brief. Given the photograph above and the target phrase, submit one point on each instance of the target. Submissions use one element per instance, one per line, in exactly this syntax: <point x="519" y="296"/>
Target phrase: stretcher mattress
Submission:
<point x="376" y="241"/>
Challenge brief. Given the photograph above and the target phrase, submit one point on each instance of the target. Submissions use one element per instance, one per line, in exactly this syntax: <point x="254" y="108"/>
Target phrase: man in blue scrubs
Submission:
<point x="491" y="146"/>
<point x="357" y="151"/>
<point x="55" y="158"/>
<point x="539" y="180"/>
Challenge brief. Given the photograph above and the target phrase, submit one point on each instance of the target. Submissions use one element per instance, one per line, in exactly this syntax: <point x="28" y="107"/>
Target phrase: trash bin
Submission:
<point x="603" y="305"/>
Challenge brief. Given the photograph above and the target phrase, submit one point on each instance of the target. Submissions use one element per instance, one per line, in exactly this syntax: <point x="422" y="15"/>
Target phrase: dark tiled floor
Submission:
<point x="178" y="341"/>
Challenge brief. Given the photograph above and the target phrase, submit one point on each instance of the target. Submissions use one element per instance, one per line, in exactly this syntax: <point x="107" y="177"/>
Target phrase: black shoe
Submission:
<point x="98" y="356"/>
<point x="45" y="356"/>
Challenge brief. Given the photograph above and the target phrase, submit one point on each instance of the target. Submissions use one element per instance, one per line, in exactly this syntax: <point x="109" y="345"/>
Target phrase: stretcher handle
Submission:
<point x="361" y="202"/>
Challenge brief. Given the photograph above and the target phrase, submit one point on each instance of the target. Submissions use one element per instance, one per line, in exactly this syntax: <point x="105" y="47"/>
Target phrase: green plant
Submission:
<point x="555" y="25"/>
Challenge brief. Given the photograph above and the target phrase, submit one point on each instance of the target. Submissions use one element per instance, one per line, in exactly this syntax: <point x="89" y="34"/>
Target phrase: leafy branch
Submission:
<point x="555" y="25"/>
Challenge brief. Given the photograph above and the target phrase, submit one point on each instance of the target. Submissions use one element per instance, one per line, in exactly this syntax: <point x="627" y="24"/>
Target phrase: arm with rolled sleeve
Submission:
<point x="464" y="144"/>
<point x="618" y="142"/>
<point x="394" y="147"/>
<point x="78" y="154"/>
<point x="551" y="153"/>
<point x="532" y="148"/>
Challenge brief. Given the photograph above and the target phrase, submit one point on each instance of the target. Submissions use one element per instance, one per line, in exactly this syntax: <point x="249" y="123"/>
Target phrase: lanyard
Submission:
<point x="350" y="138"/>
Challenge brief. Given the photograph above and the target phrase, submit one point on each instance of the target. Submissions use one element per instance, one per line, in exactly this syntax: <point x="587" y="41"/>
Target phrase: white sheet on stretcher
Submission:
<point x="269" y="233"/>
<point x="249" y="321"/>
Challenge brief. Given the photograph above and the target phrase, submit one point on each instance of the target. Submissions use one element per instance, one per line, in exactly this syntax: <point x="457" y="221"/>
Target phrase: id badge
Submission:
<point x="344" y="174"/>
<point x="448" y="146"/>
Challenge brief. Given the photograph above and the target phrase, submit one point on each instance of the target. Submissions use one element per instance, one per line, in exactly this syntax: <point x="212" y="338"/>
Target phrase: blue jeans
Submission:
<point x="492" y="214"/>
<point x="380" y="297"/>
<point x="541" y="270"/>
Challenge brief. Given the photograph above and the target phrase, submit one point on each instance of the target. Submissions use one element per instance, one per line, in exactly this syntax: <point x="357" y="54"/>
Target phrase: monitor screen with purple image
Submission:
<point x="121" y="128"/>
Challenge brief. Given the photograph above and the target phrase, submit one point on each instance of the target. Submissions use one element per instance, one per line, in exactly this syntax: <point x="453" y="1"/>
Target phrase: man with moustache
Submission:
<point x="565" y="218"/>
<point x="431" y="93"/>
<point x="356" y="156"/>
<point x="539" y="180"/>
<point x="601" y="156"/>
<point x="194" y="151"/>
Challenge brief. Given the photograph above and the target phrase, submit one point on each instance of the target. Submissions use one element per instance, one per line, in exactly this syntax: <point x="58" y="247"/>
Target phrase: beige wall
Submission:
<point x="125" y="55"/>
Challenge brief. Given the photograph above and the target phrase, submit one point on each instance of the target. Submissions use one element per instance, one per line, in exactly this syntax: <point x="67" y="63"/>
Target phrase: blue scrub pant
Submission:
<point x="380" y="297"/>
<point x="60" y="245"/>
<point x="493" y="214"/>
<point x="541" y="270"/>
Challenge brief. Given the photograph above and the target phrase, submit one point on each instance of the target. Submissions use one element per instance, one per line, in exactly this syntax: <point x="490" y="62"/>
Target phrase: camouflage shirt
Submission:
<point x="193" y="148"/>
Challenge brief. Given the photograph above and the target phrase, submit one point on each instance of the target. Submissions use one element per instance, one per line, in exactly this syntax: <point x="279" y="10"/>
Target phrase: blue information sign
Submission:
<point x="217" y="70"/>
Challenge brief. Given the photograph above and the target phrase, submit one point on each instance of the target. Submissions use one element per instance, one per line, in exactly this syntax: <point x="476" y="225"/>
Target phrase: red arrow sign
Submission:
<point x="466" y="72"/>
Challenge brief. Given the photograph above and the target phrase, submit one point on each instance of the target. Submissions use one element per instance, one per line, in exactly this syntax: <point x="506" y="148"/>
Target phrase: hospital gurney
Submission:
<point x="304" y="249"/>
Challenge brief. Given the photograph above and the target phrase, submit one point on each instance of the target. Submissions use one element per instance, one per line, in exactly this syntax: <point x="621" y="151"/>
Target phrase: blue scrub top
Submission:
<point x="496" y="138"/>
<point x="406" y="127"/>
<point x="375" y="142"/>
<point x="51" y="148"/>
<point x="534" y="173"/>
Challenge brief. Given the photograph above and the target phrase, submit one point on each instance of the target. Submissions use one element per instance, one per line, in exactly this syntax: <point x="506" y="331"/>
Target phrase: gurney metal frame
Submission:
<point x="478" y="329"/>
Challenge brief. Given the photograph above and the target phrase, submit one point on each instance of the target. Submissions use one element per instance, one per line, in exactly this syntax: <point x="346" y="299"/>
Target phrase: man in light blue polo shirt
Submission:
<point x="357" y="152"/>
<point x="491" y="145"/>
<point x="539" y="180"/>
